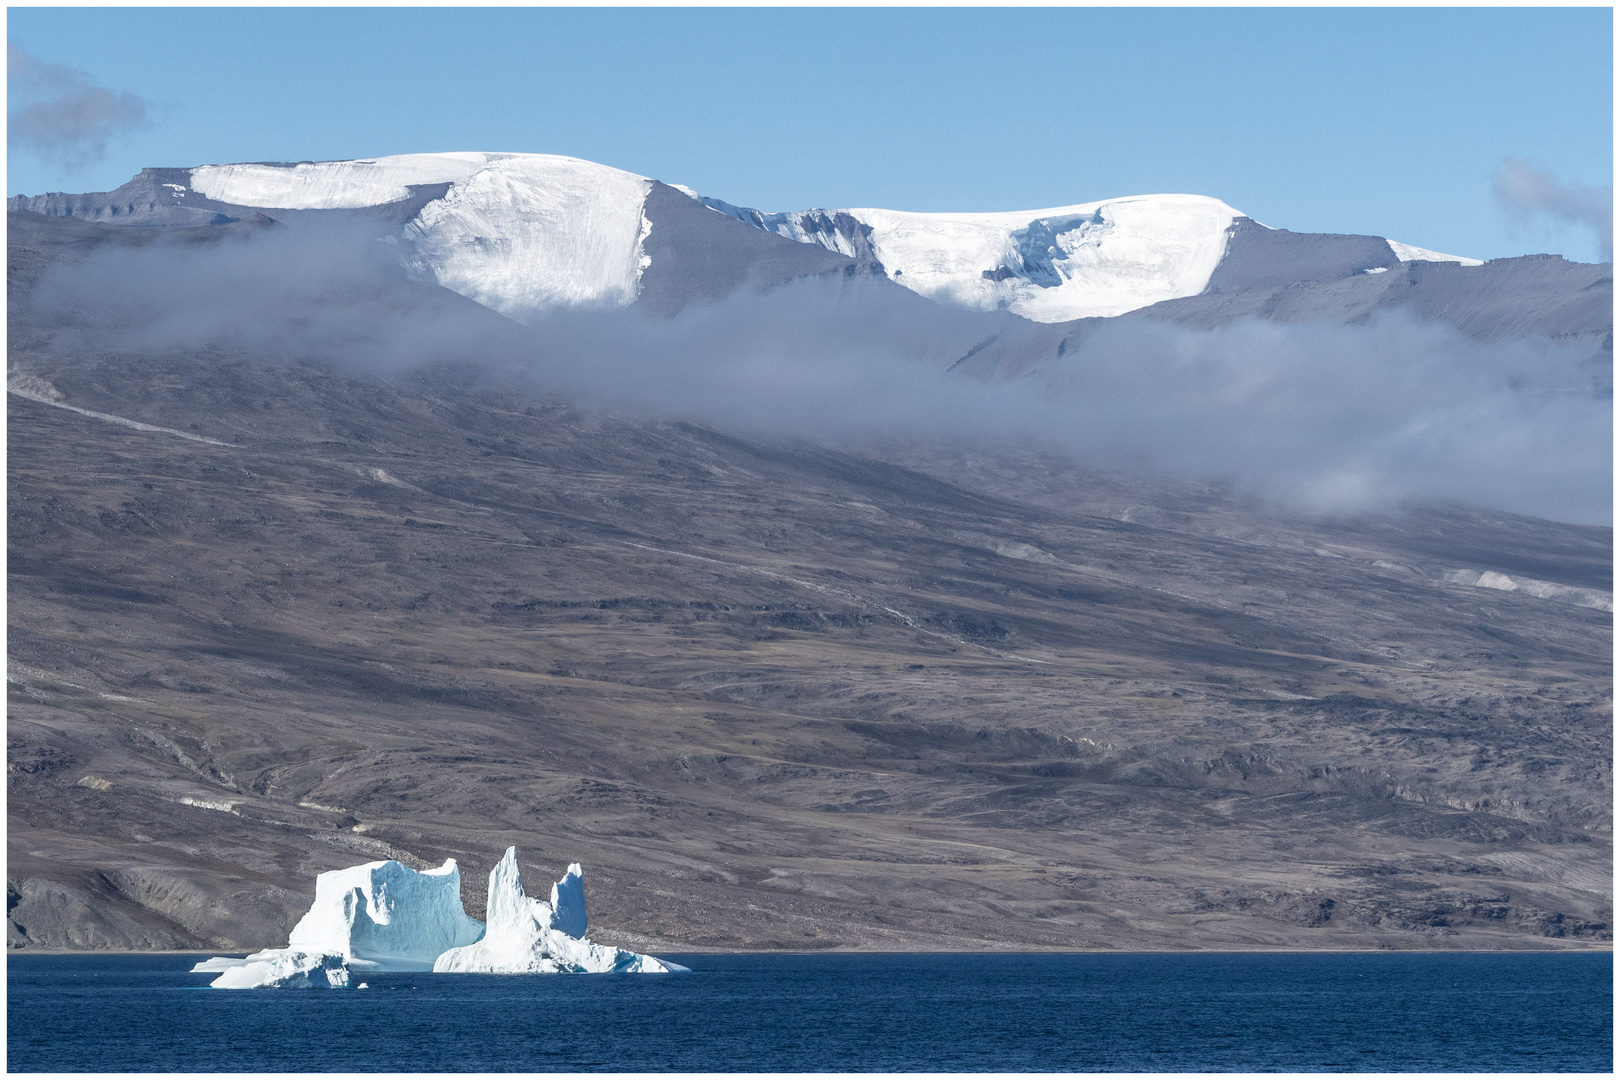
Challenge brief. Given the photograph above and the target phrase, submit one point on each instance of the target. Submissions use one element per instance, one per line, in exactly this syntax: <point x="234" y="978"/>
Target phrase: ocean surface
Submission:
<point x="1382" y="1012"/>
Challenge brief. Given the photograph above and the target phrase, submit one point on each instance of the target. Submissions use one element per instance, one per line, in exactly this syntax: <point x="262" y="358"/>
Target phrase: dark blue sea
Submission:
<point x="1297" y="1012"/>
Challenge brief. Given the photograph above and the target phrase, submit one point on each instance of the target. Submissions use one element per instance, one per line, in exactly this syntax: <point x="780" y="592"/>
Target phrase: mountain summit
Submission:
<point x="526" y="234"/>
<point x="1068" y="262"/>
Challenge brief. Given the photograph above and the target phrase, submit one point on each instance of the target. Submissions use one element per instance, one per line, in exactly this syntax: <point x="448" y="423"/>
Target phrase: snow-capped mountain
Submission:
<point x="520" y="233"/>
<point x="525" y="234"/>
<point x="1068" y="262"/>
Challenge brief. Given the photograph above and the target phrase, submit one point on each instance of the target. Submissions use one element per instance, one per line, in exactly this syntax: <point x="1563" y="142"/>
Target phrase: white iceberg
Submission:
<point x="384" y="916"/>
<point x="380" y="916"/>
<point x="532" y="937"/>
<point x="286" y="968"/>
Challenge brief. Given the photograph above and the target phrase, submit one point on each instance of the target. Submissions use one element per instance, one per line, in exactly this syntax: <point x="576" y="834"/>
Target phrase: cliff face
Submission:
<point x="149" y="199"/>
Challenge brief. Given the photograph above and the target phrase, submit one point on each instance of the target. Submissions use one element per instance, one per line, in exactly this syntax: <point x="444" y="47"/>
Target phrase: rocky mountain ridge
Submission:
<point x="529" y="234"/>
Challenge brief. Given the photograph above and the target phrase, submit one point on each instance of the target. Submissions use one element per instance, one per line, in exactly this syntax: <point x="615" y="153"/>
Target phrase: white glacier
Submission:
<point x="384" y="916"/>
<point x="1067" y="262"/>
<point x="526" y="234"/>
<point x="520" y="233"/>
<point x="531" y="233"/>
<point x="331" y="185"/>
<point x="1107" y="258"/>
<point x="525" y="936"/>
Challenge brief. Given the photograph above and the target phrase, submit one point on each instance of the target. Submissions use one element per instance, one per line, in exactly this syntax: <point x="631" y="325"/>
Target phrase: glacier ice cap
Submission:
<point x="522" y="234"/>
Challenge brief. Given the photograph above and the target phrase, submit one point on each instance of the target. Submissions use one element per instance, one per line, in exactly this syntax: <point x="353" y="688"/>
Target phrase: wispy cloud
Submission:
<point x="1322" y="417"/>
<point x="1526" y="191"/>
<point x="59" y="113"/>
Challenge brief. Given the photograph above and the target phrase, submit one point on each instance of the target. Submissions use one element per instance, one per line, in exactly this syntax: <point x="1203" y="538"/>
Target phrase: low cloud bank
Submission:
<point x="270" y="293"/>
<point x="1322" y="417"/>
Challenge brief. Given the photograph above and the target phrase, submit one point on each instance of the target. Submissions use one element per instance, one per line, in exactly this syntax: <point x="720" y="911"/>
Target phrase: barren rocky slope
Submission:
<point x="267" y="620"/>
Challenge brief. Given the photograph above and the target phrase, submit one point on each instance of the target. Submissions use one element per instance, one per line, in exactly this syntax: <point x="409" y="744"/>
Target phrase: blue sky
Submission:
<point x="1382" y="121"/>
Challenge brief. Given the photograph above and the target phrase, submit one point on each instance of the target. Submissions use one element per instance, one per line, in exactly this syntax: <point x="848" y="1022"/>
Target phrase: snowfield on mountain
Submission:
<point x="520" y="233"/>
<point x="529" y="234"/>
